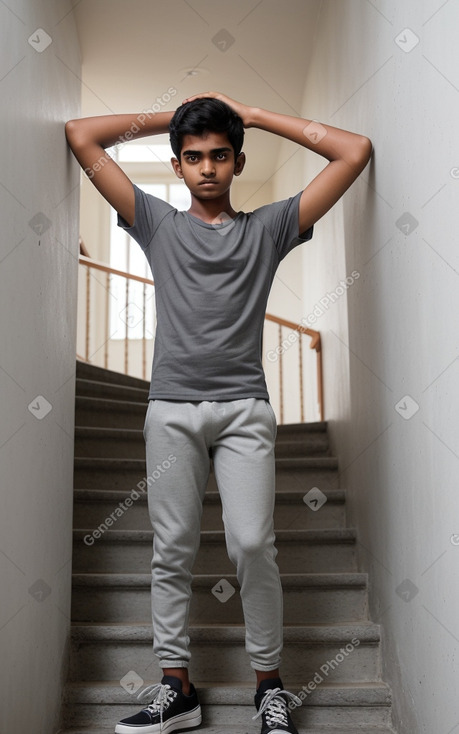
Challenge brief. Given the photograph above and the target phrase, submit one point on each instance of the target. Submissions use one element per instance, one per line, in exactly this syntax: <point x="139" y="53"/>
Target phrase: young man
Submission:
<point x="213" y="268"/>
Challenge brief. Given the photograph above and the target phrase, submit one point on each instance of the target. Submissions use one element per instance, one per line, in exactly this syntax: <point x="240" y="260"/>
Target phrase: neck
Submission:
<point x="209" y="209"/>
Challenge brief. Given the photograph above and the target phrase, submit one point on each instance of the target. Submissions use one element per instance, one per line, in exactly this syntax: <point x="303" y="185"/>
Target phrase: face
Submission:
<point x="207" y="164"/>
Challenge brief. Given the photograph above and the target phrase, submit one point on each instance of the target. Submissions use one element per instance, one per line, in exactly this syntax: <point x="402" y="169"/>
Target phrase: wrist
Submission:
<point x="155" y="123"/>
<point x="252" y="117"/>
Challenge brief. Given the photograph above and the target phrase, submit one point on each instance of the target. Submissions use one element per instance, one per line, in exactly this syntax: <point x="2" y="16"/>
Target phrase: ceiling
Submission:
<point x="257" y="51"/>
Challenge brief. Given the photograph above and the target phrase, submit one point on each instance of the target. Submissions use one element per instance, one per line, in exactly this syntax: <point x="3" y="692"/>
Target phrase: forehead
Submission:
<point x="206" y="142"/>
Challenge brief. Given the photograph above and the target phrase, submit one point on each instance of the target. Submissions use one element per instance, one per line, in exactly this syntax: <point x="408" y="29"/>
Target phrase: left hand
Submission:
<point x="244" y="111"/>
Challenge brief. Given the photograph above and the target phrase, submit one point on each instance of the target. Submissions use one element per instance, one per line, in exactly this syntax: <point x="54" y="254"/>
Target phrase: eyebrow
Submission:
<point x="214" y="150"/>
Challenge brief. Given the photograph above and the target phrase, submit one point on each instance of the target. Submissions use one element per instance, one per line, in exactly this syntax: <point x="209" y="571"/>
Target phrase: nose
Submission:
<point x="207" y="167"/>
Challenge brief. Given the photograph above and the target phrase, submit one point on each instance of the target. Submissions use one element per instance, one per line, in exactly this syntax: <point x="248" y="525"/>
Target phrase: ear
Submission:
<point x="177" y="167"/>
<point x="239" y="165"/>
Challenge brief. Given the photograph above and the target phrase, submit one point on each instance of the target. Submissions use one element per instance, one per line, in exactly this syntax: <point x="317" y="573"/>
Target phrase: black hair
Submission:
<point x="204" y="115"/>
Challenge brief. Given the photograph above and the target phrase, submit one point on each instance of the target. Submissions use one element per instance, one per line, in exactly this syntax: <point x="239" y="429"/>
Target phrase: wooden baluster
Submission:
<point x="320" y="389"/>
<point x="144" y="332"/>
<point x="300" y="346"/>
<point x="107" y="307"/>
<point x="126" y="331"/>
<point x="281" y="385"/>
<point x="88" y="312"/>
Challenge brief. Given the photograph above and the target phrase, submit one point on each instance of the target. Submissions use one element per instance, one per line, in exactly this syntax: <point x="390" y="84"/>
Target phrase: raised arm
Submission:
<point x="347" y="153"/>
<point x="89" y="136"/>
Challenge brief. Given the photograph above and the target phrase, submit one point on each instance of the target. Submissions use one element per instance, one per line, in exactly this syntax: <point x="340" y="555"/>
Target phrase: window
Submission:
<point x="144" y="164"/>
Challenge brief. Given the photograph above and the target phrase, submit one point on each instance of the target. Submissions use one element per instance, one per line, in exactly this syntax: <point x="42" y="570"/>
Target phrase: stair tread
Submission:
<point x="96" y="403"/>
<point x="101" y="431"/>
<point x="108" y="431"/>
<point x="211" y="496"/>
<point x="369" y="694"/>
<point x="364" y="631"/>
<point x="305" y="580"/>
<point x="240" y="687"/>
<point x="103" y="385"/>
<point x="254" y="728"/>
<point x="218" y="692"/>
<point x="325" y="534"/>
<point x="314" y="535"/>
<point x="93" y="462"/>
<point x="107" y="440"/>
<point x="284" y="430"/>
<point x="85" y="370"/>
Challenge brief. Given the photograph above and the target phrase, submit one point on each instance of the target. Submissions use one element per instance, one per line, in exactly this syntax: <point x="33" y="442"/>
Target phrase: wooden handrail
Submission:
<point x="315" y="342"/>
<point x="83" y="248"/>
<point x="107" y="269"/>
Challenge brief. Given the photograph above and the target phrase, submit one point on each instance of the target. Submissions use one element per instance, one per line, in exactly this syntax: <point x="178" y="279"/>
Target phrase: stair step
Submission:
<point x="291" y="473"/>
<point x="96" y="389"/>
<point x="249" y="728"/>
<point x="87" y="371"/>
<point x="349" y="652"/>
<point x="299" y="551"/>
<point x="93" y="373"/>
<point x="311" y="444"/>
<point x="109" y="413"/>
<point x="93" y="506"/>
<point x="93" y="441"/>
<point x="342" y="708"/>
<point x="308" y="598"/>
<point x="290" y="430"/>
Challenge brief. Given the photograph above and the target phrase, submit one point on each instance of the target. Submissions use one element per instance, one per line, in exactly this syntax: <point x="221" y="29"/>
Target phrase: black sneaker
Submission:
<point x="272" y="705"/>
<point x="170" y="710"/>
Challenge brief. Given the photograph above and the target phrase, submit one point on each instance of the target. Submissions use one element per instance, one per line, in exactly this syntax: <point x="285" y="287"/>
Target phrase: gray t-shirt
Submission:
<point x="212" y="283"/>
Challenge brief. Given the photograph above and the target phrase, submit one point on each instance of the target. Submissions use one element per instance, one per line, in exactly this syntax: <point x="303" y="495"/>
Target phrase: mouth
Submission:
<point x="208" y="183"/>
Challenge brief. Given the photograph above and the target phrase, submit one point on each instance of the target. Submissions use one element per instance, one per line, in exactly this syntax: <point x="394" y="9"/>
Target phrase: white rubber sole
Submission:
<point x="181" y="721"/>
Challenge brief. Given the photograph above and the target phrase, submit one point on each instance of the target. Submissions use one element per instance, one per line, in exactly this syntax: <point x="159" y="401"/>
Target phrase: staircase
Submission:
<point x="331" y="648"/>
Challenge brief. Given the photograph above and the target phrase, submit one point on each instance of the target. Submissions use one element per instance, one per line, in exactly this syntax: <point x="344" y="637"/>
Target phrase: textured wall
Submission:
<point x="390" y="70"/>
<point x="40" y="89"/>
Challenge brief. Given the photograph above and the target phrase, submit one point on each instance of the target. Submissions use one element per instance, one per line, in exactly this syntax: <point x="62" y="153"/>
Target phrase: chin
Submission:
<point x="207" y="193"/>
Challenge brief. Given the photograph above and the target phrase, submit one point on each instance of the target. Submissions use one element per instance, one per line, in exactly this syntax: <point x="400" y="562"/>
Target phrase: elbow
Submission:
<point x="359" y="153"/>
<point x="69" y="126"/>
<point x="74" y="133"/>
<point x="363" y="151"/>
<point x="71" y="130"/>
<point x="368" y="148"/>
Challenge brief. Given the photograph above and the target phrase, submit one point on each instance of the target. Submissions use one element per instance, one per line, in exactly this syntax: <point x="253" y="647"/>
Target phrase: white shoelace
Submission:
<point x="162" y="695"/>
<point x="275" y="707"/>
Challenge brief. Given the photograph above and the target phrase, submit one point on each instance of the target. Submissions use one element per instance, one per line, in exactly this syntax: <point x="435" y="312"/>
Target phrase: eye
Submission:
<point x="221" y="156"/>
<point x="192" y="158"/>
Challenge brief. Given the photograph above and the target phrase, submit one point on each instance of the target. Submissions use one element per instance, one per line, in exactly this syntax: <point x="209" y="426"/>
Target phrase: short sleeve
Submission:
<point x="281" y="219"/>
<point x="149" y="213"/>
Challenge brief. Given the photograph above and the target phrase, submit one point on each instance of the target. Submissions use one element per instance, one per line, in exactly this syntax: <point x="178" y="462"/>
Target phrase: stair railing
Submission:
<point x="286" y="343"/>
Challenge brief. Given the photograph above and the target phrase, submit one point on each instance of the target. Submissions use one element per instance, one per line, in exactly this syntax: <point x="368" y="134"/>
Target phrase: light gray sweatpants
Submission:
<point x="240" y="435"/>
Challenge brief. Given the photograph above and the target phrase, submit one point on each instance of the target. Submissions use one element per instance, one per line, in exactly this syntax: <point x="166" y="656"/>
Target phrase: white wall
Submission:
<point x="39" y="87"/>
<point x="399" y="471"/>
<point x="294" y="301"/>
